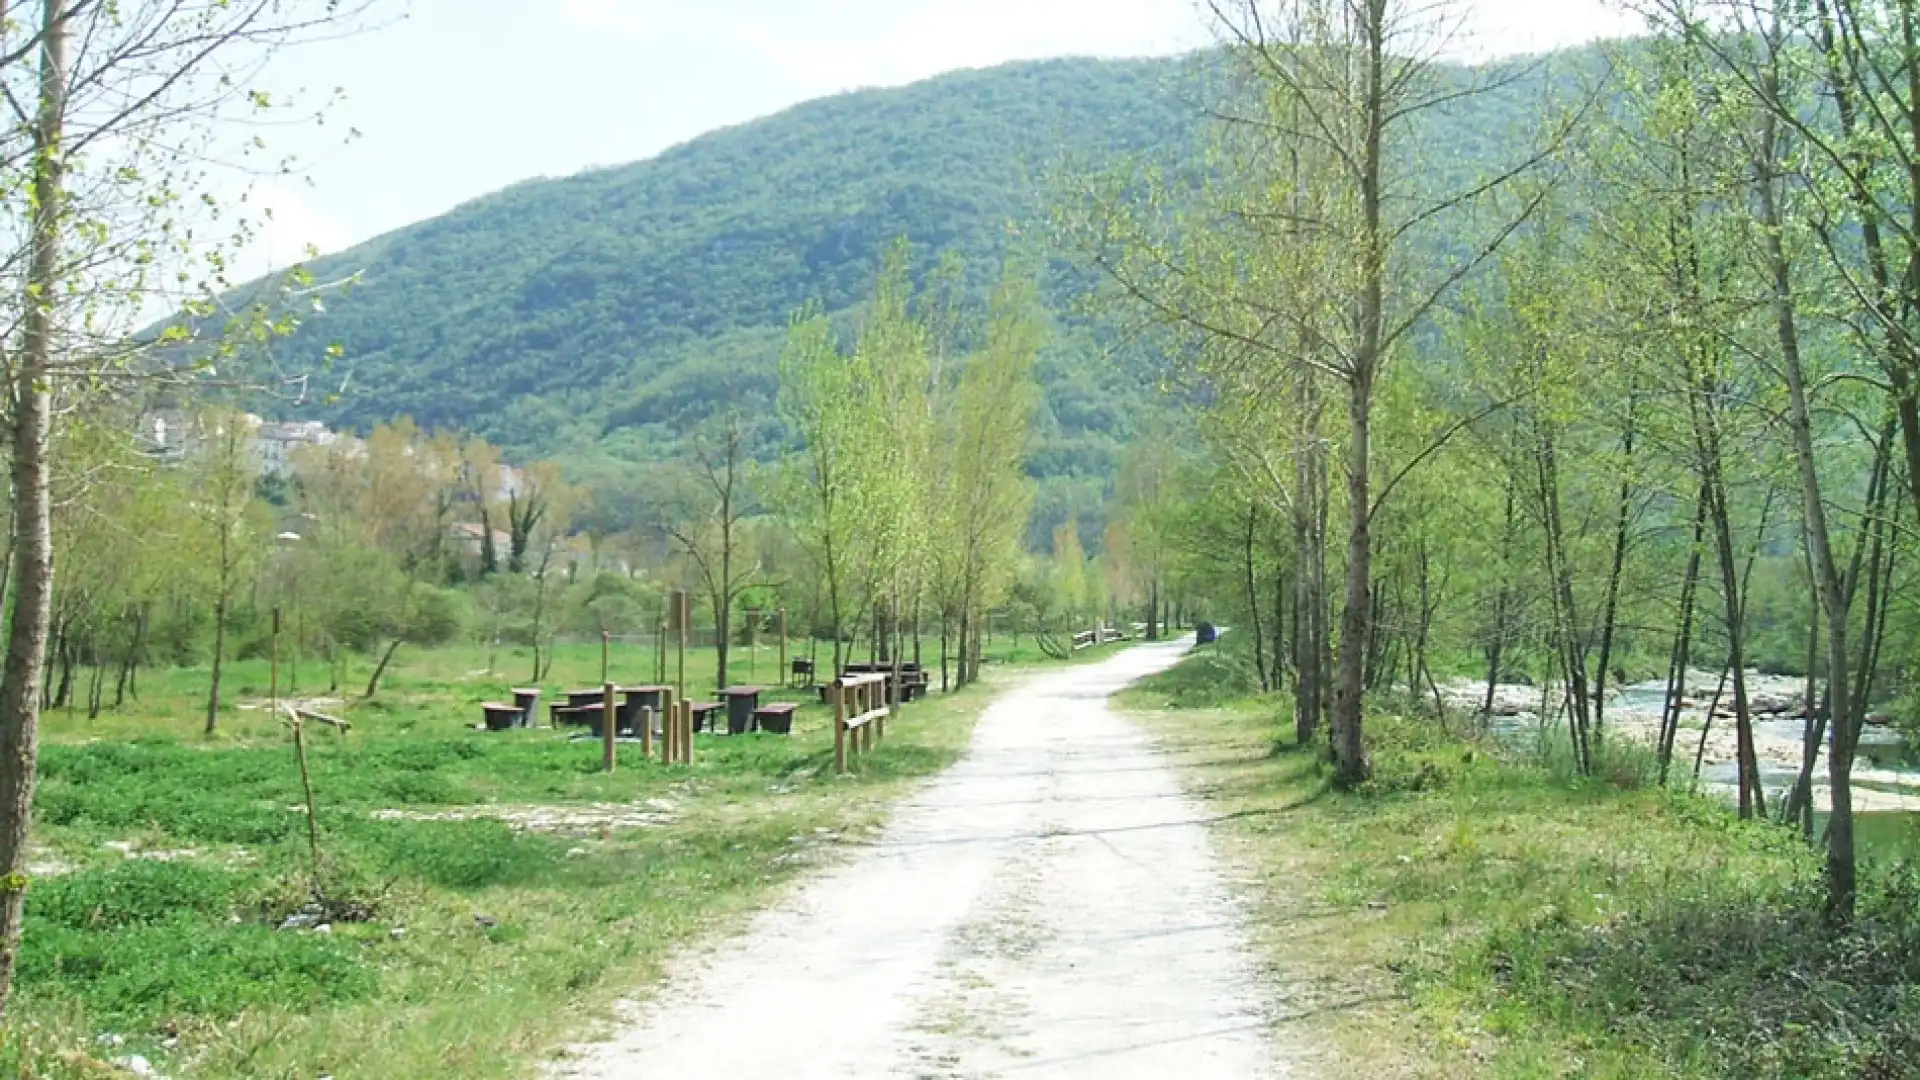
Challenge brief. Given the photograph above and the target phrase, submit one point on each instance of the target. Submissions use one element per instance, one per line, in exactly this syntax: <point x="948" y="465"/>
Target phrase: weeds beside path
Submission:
<point x="1473" y="914"/>
<point x="486" y="896"/>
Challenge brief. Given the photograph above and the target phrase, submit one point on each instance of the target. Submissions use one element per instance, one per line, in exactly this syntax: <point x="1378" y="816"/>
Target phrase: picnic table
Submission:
<point x="775" y="718"/>
<point x="914" y="680"/>
<point x="741" y="702"/>
<point x="703" y="715"/>
<point x="501" y="716"/>
<point x="527" y="699"/>
<point x="635" y="698"/>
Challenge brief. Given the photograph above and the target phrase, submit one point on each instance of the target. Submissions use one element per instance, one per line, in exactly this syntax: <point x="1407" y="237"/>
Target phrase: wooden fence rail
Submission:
<point x="860" y="711"/>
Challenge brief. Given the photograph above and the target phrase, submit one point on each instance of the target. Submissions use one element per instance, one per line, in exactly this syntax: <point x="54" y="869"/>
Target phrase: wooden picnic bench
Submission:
<point x="703" y="715"/>
<point x="527" y="699"/>
<point x="501" y="717"/>
<point x="636" y="698"/>
<point x="741" y="703"/>
<point x="577" y="715"/>
<point x="775" y="718"/>
<point x="802" y="669"/>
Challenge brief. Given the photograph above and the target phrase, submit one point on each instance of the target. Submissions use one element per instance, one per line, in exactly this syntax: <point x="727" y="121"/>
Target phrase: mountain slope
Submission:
<point x="538" y="316"/>
<point x="593" y="316"/>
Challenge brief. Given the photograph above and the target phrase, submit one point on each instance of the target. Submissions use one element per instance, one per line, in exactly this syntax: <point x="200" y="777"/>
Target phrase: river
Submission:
<point x="1886" y="774"/>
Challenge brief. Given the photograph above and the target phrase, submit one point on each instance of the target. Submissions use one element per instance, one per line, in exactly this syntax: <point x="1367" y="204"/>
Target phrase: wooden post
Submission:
<point x="660" y="654"/>
<point x="609" y="720"/>
<point x="686" y="732"/>
<point x="683" y="614"/>
<point x="839" y="728"/>
<point x="606" y="642"/>
<point x="646" y="733"/>
<point x="273" y="675"/>
<point x="669" y="698"/>
<point x="306" y="785"/>
<point x="753" y="642"/>
<point x="784" y="674"/>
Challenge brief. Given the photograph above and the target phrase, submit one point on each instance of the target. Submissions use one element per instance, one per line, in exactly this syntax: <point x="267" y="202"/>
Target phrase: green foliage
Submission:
<point x="137" y="892"/>
<point x="1547" y="923"/>
<point x="189" y="967"/>
<point x="614" y="306"/>
<point x="468" y="854"/>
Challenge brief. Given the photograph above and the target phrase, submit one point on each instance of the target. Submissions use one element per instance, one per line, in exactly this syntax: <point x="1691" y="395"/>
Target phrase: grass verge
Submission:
<point x="1472" y="913"/>
<point x="486" y="896"/>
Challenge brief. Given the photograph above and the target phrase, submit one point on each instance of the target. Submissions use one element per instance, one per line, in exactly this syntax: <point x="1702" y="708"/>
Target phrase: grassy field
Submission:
<point x="485" y="897"/>
<point x="1482" y="914"/>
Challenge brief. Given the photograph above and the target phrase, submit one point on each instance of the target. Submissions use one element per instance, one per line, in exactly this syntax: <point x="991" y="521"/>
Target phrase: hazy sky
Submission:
<point x="457" y="98"/>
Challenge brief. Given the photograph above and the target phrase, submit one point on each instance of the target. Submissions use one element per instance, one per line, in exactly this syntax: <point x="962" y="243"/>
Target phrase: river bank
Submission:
<point x="1886" y="774"/>
<point x="1497" y="916"/>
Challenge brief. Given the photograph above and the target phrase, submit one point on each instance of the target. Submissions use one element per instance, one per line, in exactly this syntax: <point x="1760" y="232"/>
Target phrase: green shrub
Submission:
<point x="187" y="966"/>
<point x="466" y="854"/>
<point x="138" y="892"/>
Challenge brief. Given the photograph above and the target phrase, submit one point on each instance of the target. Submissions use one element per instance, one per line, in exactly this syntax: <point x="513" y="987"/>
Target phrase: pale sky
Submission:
<point x="457" y="98"/>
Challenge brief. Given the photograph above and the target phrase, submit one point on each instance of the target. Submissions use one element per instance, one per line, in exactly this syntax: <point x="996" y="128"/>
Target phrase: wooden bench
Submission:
<point x="802" y="670"/>
<point x="703" y="712"/>
<point x="501" y="717"/>
<point x="776" y="718"/>
<point x="577" y="715"/>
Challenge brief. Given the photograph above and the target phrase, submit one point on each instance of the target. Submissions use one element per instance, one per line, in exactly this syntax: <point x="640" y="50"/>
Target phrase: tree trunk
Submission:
<point x="1503" y="598"/>
<point x="32" y="532"/>
<point x="1570" y="647"/>
<point x="1349" y="704"/>
<point x="1313" y="645"/>
<point x="1278" y="679"/>
<point x="1841" y="869"/>
<point x="1610" y="609"/>
<point x="722" y="633"/>
<point x="1682" y="655"/>
<point x="373" y="682"/>
<point x="1253" y="600"/>
<point x="1752" y="797"/>
<point x="219" y="656"/>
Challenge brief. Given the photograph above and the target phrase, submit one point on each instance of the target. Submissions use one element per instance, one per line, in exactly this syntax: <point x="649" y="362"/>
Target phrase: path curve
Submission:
<point x="1048" y="907"/>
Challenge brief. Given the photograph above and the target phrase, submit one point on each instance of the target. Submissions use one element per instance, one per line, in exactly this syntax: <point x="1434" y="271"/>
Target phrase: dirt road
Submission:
<point x="1049" y="907"/>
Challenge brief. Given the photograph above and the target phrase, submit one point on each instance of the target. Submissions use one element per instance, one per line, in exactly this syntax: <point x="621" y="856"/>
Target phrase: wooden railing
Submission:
<point x="859" y="715"/>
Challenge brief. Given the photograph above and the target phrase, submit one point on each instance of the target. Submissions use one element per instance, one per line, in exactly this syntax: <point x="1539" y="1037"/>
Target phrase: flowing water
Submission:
<point x="1886" y="774"/>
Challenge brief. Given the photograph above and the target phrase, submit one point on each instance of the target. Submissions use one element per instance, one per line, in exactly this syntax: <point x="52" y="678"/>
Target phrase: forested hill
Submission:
<point x="589" y="316"/>
<point x="557" y="310"/>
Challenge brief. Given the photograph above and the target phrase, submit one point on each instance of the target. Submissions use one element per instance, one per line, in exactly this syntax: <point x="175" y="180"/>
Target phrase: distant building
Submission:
<point x="466" y="538"/>
<point x="274" y="444"/>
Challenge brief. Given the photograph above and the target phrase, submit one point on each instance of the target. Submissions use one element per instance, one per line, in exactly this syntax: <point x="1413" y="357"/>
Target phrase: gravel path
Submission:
<point x="1049" y="907"/>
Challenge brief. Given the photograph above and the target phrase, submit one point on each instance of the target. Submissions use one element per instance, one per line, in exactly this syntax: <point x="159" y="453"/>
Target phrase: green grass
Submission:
<point x="459" y="946"/>
<point x="1486" y="914"/>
